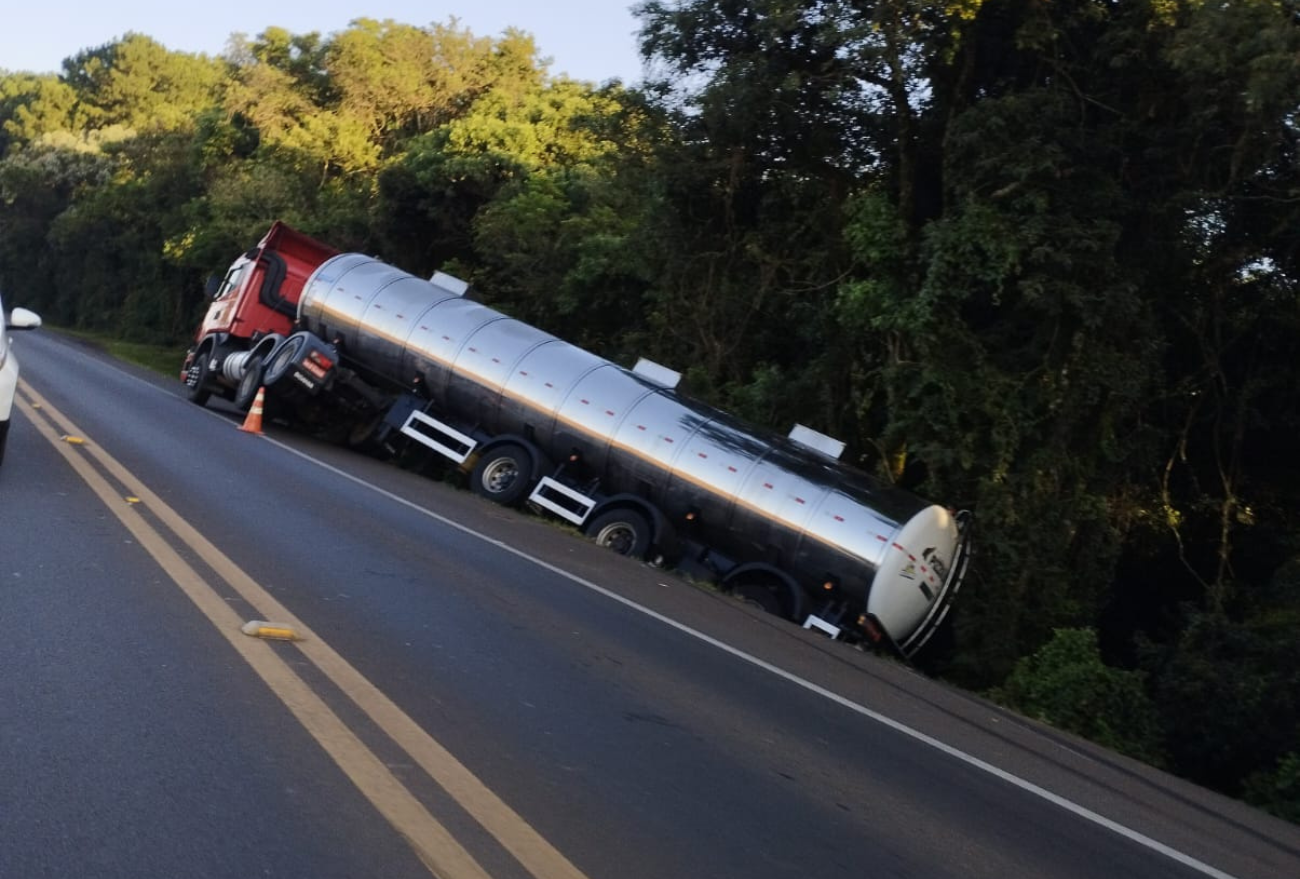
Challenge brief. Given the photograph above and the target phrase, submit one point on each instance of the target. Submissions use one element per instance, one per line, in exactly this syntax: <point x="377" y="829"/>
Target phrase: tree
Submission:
<point x="446" y="177"/>
<point x="772" y="129"/>
<point x="284" y="92"/>
<point x="402" y="80"/>
<point x="137" y="83"/>
<point x="32" y="107"/>
<point x="37" y="184"/>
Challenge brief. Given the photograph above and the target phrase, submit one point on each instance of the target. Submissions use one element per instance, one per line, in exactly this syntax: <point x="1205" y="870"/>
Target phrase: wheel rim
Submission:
<point x="500" y="475"/>
<point x="618" y="536"/>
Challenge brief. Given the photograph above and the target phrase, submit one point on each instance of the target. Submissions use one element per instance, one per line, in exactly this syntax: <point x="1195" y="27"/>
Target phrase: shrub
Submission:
<point x="1067" y="685"/>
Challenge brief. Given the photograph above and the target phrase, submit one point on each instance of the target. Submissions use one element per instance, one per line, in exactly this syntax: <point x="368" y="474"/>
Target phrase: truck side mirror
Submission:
<point x="213" y="286"/>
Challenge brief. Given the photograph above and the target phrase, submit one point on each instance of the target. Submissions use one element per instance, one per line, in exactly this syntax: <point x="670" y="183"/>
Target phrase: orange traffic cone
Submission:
<point x="253" y="421"/>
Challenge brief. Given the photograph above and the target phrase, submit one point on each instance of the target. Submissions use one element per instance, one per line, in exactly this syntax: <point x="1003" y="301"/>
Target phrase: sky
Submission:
<point x="592" y="40"/>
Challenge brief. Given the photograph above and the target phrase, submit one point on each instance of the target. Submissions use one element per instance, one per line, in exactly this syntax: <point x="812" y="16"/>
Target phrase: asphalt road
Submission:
<point x="478" y="692"/>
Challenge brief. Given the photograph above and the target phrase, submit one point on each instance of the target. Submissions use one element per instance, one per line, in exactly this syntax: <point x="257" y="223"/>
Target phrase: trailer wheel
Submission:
<point x="503" y="474"/>
<point x="770" y="593"/>
<point x="196" y="379"/>
<point x="249" y="383"/>
<point x="625" y="531"/>
<point x="761" y="595"/>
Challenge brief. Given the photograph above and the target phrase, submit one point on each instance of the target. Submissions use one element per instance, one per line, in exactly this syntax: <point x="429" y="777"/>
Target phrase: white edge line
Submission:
<point x="971" y="760"/>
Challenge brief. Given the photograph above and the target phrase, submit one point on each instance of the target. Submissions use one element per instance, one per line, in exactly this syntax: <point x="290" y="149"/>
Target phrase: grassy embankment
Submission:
<point x="162" y="359"/>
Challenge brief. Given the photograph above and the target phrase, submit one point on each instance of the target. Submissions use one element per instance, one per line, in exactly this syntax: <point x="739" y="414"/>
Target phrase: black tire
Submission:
<point x="4" y="440"/>
<point x="503" y="475"/>
<point x="364" y="433"/>
<point x="625" y="531"/>
<point x="770" y="595"/>
<point x="196" y="379"/>
<point x="249" y="384"/>
<point x="282" y="359"/>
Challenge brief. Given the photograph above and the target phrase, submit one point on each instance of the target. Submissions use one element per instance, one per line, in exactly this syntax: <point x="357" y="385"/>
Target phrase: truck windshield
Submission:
<point x="232" y="279"/>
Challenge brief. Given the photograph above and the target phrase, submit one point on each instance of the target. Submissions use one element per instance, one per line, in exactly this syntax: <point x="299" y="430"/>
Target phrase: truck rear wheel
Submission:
<point x="625" y="531"/>
<point x="249" y="383"/>
<point x="283" y="359"/>
<point x="503" y="474"/>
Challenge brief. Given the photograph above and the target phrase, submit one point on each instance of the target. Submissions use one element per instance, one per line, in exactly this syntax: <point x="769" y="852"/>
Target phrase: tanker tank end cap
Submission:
<point x="270" y="631"/>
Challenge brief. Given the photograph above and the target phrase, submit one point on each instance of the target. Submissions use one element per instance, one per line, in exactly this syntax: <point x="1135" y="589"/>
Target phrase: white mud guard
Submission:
<point x="442" y="438"/>
<point x="570" y="505"/>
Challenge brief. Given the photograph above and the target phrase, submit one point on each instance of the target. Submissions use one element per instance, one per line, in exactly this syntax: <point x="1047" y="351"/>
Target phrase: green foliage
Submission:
<point x="161" y="359"/>
<point x="140" y="85"/>
<point x="106" y="249"/>
<point x="458" y="181"/>
<point x="1229" y="698"/>
<point x="37" y="185"/>
<point x="554" y="251"/>
<point x="402" y="80"/>
<point x="1021" y="360"/>
<point x="1278" y="791"/>
<point x="33" y="107"/>
<point x="1066" y="684"/>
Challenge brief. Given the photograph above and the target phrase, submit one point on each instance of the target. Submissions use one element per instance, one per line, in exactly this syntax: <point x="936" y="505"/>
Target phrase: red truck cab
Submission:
<point x="256" y="300"/>
<point x="260" y="292"/>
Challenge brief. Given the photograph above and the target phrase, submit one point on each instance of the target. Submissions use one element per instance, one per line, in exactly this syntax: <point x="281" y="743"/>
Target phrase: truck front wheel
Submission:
<point x="625" y="531"/>
<point x="503" y="474"/>
<point x="196" y="379"/>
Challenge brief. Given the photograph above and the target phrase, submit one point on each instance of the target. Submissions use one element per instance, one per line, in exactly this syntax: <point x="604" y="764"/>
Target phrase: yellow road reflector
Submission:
<point x="132" y="500"/>
<point x="270" y="631"/>
<point x="75" y="440"/>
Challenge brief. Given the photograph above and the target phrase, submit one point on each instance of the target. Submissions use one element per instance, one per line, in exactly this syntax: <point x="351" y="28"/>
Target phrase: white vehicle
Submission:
<point x="20" y="319"/>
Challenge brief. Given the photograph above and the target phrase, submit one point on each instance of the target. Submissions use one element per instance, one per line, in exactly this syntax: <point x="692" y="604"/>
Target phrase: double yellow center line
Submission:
<point x="444" y="856"/>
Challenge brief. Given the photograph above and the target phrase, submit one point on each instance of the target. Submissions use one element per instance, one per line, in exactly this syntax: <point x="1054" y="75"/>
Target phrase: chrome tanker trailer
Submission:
<point x="617" y="452"/>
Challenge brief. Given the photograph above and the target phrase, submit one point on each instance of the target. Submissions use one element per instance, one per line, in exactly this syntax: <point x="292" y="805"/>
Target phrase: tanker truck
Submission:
<point x="386" y="360"/>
